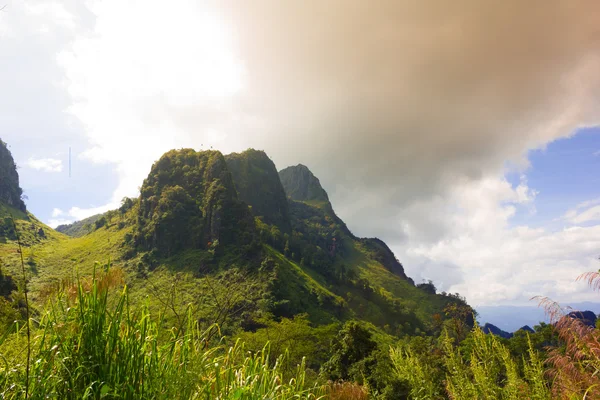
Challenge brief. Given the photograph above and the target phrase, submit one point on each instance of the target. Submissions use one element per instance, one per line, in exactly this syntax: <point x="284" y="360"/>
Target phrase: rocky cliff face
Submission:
<point x="312" y="214"/>
<point x="301" y="185"/>
<point x="258" y="184"/>
<point x="10" y="191"/>
<point x="189" y="201"/>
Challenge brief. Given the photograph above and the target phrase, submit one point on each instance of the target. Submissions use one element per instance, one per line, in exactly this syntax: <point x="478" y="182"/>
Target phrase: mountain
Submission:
<point x="258" y="184"/>
<point x="189" y="201"/>
<point x="13" y="213"/>
<point x="526" y="328"/>
<point x="10" y="191"/>
<point x="313" y="215"/>
<point x="234" y="242"/>
<point x="587" y="317"/>
<point x="301" y="185"/>
<point x="510" y="318"/>
<point x="494" y="330"/>
<point x="244" y="251"/>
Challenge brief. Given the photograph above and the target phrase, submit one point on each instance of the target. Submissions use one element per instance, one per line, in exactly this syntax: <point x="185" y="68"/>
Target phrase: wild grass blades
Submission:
<point x="482" y="368"/>
<point x="574" y="366"/>
<point x="95" y="345"/>
<point x="27" y="320"/>
<point x="492" y="373"/>
<point x="416" y="371"/>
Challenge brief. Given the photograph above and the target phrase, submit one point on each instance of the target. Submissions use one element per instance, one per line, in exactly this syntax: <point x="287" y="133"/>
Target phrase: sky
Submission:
<point x="464" y="134"/>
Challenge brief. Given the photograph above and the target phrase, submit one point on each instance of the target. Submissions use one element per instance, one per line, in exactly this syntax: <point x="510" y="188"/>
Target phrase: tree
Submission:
<point x="427" y="287"/>
<point x="351" y="353"/>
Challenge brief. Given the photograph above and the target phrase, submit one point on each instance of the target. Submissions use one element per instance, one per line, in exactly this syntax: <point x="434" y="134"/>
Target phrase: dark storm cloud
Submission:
<point x="414" y="94"/>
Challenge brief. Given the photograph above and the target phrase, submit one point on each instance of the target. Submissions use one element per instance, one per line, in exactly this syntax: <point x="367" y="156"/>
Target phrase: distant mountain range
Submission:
<point x="511" y="318"/>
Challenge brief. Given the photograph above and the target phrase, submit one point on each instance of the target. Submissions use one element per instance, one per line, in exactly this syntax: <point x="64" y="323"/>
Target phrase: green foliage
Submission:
<point x="352" y="350"/>
<point x="543" y="337"/>
<point x="10" y="191"/>
<point x="31" y="230"/>
<point x="360" y="353"/>
<point x="298" y="290"/>
<point x="10" y="313"/>
<point x="380" y="252"/>
<point x="79" y="228"/>
<point x="481" y="368"/>
<point x="89" y="346"/>
<point x="416" y="363"/>
<point x="7" y="284"/>
<point x="296" y="336"/>
<point x="427" y="287"/>
<point x="490" y="372"/>
<point x="127" y="204"/>
<point x="100" y="222"/>
<point x="188" y="201"/>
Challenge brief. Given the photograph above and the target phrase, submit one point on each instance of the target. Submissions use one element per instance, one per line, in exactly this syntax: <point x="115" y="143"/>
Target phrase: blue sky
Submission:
<point x="565" y="173"/>
<point x="418" y="126"/>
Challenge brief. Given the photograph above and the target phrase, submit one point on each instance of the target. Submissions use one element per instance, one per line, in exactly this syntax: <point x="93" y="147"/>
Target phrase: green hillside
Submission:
<point x="191" y="223"/>
<point x="229" y="241"/>
<point x="79" y="228"/>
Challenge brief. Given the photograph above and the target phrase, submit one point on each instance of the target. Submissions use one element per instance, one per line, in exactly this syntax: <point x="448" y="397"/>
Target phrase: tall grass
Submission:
<point x="486" y="371"/>
<point x="490" y="372"/>
<point x="574" y="367"/>
<point x="27" y="319"/>
<point x="90" y="343"/>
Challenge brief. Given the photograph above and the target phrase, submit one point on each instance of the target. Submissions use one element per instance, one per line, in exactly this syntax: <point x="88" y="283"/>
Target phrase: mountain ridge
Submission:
<point x="198" y="227"/>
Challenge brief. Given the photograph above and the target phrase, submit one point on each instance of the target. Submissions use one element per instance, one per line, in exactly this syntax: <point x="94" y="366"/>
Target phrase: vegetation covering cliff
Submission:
<point x="300" y="184"/>
<point x="10" y="191"/>
<point x="313" y="216"/>
<point x="189" y="201"/>
<point x="257" y="182"/>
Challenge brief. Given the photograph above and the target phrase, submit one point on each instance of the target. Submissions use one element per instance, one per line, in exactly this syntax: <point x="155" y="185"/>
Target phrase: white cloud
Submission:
<point x="149" y="74"/>
<point x="588" y="215"/>
<point x="40" y="17"/>
<point x="77" y="214"/>
<point x="54" y="222"/>
<point x="586" y="211"/>
<point x="597" y="153"/>
<point x="52" y="13"/>
<point x="500" y="263"/>
<point x="45" y="164"/>
<point x="82" y="213"/>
